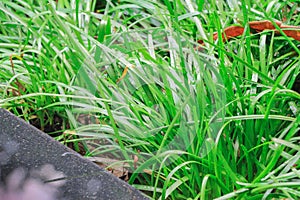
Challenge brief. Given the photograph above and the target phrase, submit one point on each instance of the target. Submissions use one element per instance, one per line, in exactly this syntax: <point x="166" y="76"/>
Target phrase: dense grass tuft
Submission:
<point x="127" y="81"/>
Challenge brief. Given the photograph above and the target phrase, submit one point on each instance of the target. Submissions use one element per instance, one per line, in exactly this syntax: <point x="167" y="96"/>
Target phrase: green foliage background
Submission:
<point x="218" y="121"/>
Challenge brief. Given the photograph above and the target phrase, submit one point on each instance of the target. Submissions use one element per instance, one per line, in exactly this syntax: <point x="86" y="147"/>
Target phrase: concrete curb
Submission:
<point x="24" y="147"/>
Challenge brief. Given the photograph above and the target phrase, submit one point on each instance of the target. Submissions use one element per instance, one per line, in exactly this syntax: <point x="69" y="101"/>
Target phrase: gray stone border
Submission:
<point x="24" y="147"/>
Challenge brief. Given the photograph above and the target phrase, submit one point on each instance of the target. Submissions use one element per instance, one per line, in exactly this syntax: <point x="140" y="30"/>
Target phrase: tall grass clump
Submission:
<point x="127" y="81"/>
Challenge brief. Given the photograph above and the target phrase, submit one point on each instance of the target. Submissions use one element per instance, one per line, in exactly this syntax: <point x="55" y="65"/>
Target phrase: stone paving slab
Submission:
<point x="30" y="156"/>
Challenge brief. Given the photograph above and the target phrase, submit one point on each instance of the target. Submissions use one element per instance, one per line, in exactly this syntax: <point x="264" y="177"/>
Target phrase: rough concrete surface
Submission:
<point x="35" y="162"/>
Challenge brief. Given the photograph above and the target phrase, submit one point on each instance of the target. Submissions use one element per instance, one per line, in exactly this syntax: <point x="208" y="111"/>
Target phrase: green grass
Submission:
<point x="217" y="123"/>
